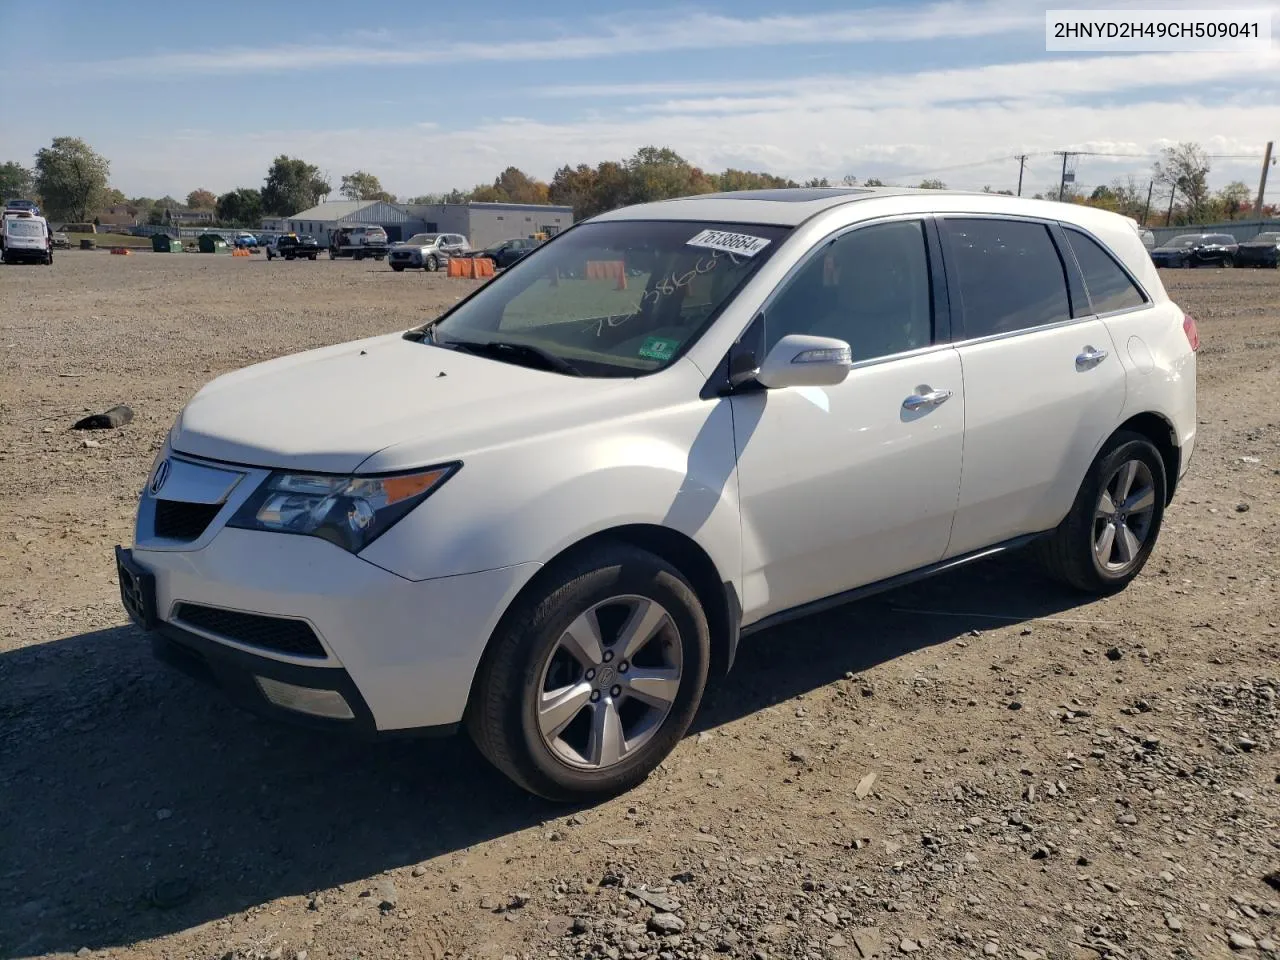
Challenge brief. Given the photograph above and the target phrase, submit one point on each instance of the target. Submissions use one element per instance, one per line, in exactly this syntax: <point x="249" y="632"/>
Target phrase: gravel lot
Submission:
<point x="981" y="765"/>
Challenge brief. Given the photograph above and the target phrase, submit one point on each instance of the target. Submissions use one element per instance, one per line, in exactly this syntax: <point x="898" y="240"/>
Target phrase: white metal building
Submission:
<point x="483" y="224"/>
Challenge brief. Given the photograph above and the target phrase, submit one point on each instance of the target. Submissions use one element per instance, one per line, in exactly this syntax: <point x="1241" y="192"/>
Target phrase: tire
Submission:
<point x="397" y="268"/>
<point x="551" y="753"/>
<point x="431" y="265"/>
<point x="311" y="257"/>
<point x="1225" y="262"/>
<point x="1074" y="552"/>
<point x="1187" y="264"/>
<point x="288" y="256"/>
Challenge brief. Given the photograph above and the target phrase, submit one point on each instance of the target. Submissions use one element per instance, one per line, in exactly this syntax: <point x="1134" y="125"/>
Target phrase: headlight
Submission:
<point x="351" y="512"/>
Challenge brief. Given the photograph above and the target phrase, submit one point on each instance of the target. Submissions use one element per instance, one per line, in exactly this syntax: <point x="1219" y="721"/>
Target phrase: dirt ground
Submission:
<point x="981" y="765"/>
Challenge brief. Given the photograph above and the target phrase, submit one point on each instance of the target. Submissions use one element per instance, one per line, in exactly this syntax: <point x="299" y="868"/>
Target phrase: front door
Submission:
<point x="846" y="485"/>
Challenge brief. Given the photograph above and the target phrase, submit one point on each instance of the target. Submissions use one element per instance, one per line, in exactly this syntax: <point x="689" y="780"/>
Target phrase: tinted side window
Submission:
<point x="1010" y="275"/>
<point x="1109" y="286"/>
<point x="869" y="287"/>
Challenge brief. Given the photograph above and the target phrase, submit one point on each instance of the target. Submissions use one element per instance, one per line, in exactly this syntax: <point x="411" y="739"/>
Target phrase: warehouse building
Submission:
<point x="483" y="224"/>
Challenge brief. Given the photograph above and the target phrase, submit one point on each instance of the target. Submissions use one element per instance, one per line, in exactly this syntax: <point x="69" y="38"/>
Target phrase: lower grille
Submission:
<point x="253" y="629"/>
<point x="176" y="520"/>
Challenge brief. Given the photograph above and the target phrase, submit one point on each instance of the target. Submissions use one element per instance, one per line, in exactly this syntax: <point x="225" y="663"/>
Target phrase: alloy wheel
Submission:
<point x="609" y="682"/>
<point x="1122" y="519"/>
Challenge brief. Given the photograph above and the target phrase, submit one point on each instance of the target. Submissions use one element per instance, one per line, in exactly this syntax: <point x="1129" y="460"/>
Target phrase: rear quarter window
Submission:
<point x="1109" y="287"/>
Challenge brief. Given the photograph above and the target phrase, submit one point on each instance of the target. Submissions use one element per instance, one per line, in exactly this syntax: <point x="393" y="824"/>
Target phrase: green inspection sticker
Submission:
<point x="659" y="348"/>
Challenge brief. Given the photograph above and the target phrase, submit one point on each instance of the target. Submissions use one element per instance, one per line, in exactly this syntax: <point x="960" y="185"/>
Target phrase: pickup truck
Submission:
<point x="358" y="243"/>
<point x="292" y="247"/>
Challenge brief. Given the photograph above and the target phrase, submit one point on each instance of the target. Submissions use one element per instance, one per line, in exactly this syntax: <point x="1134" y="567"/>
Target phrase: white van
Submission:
<point x="24" y="237"/>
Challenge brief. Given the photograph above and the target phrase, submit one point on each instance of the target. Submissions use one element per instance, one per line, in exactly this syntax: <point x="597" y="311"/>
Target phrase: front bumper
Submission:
<point x="402" y="653"/>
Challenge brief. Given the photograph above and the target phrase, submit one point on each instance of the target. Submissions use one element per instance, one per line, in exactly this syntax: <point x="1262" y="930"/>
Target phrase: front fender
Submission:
<point x="529" y="501"/>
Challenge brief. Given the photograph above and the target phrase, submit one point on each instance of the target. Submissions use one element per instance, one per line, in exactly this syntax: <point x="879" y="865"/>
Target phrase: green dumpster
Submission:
<point x="163" y="243"/>
<point x="212" y="243"/>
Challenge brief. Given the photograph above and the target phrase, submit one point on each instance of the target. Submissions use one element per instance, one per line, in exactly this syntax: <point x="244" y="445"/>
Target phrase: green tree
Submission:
<point x="575" y="187"/>
<point x="1234" y="198"/>
<point x="15" y="181"/>
<point x="873" y="182"/>
<point x="659" y="173"/>
<point x="201" y="199"/>
<point x="817" y="182"/>
<point x="1185" y="168"/>
<point x="932" y="183"/>
<point x="518" y="187"/>
<point x="363" y="186"/>
<point x="114" y="198"/>
<point x="292" y="185"/>
<point x="71" y="178"/>
<point x="241" y="207"/>
<point x="748" y="180"/>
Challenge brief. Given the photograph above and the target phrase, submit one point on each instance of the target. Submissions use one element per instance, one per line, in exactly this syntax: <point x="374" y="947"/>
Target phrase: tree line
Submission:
<point x="71" y="181"/>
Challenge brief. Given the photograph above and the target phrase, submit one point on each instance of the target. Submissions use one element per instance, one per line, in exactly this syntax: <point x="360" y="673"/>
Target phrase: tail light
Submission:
<point x="1189" y="328"/>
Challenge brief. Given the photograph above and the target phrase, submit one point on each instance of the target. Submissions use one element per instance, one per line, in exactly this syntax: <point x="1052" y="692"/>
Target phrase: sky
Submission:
<point x="430" y="96"/>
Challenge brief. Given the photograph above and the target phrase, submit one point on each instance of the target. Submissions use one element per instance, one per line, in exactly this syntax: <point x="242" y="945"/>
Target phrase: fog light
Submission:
<point x="319" y="703"/>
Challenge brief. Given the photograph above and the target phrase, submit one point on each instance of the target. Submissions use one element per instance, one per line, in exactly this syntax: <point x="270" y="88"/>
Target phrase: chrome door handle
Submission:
<point x="931" y="398"/>
<point x="1090" y="355"/>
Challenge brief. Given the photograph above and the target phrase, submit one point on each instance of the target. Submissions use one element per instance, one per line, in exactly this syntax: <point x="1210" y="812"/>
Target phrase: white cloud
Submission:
<point x="888" y="126"/>
<point x="620" y="34"/>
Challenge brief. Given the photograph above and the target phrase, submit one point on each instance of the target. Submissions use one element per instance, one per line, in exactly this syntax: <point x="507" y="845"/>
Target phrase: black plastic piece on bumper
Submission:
<point x="233" y="672"/>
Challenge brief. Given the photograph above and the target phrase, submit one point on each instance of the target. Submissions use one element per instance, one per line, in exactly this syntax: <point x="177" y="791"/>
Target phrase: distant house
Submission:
<point x="483" y="224"/>
<point x="182" y="215"/>
<point x="118" y="215"/>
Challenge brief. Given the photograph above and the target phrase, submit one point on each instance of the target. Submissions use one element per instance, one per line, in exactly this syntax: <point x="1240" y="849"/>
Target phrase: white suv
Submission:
<point x="551" y="513"/>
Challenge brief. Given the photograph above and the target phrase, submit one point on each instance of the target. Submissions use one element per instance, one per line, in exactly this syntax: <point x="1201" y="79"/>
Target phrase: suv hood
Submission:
<point x="330" y="410"/>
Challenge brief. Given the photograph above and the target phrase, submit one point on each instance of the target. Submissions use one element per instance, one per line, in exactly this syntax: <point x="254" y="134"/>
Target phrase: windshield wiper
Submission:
<point x="521" y="353"/>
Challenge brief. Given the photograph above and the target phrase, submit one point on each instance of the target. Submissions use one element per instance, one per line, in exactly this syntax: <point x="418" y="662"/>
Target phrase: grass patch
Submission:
<point x="110" y="240"/>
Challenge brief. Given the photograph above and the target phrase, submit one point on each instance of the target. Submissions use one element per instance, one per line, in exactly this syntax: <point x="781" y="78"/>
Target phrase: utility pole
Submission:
<point x="1062" y="184"/>
<point x="1146" y="211"/>
<point x="1022" y="162"/>
<point x="1262" y="184"/>
<point x="1168" y="217"/>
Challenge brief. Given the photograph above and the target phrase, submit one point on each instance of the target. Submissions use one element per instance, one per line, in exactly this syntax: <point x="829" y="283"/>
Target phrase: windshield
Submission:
<point x="615" y="299"/>
<point x="422" y="238"/>
<point x="23" y="228"/>
<point x="1187" y="240"/>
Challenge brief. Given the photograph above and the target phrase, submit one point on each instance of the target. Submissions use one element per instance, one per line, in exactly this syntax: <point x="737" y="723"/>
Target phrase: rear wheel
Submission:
<point x="1112" y="528"/>
<point x="593" y="680"/>
<point x="397" y="268"/>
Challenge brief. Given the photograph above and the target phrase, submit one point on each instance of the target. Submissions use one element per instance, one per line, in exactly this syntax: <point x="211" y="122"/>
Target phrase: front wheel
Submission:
<point x="593" y="679"/>
<point x="397" y="268"/>
<point x="311" y="256"/>
<point x="431" y="265"/>
<point x="1112" y="528"/>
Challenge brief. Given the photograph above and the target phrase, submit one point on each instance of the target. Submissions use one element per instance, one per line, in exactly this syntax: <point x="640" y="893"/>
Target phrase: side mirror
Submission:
<point x="799" y="360"/>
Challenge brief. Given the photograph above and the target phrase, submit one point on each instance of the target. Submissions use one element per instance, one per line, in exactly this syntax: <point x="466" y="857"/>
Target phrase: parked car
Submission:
<point x="24" y="238"/>
<point x="60" y="240"/>
<point x="427" y="251"/>
<point x="1196" y="250"/>
<point x="1262" y="251"/>
<point x="550" y="514"/>
<point x="245" y="241"/>
<point x="507" y="252"/>
<point x="358" y="243"/>
<point x="17" y="205"/>
<point x="290" y="246"/>
<point x="1148" y="238"/>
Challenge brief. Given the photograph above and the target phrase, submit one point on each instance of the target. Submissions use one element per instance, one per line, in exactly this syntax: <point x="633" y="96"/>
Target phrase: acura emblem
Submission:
<point x="161" y="475"/>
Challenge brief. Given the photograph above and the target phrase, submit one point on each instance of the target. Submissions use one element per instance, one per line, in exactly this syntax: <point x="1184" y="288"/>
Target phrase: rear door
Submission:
<point x="1043" y="385"/>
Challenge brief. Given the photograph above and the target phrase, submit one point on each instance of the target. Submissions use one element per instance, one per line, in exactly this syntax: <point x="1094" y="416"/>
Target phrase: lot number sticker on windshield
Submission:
<point x="658" y="348"/>
<point x="743" y="244"/>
